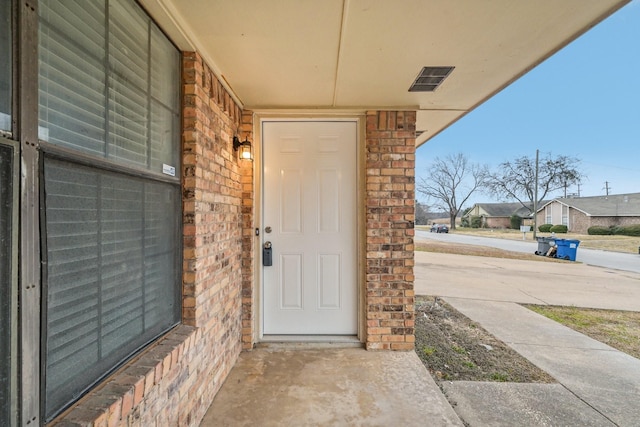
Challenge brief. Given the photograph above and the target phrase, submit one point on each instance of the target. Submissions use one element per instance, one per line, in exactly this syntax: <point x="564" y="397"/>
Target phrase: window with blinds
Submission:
<point x="6" y="59"/>
<point x="112" y="270"/>
<point x="109" y="85"/>
<point x="548" y="215"/>
<point x="565" y="215"/>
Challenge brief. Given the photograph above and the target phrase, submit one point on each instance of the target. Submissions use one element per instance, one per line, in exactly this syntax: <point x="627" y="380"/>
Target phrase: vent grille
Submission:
<point x="430" y="78"/>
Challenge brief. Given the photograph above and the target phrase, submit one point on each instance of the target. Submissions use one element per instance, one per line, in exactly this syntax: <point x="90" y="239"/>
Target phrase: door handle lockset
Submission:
<point x="267" y="254"/>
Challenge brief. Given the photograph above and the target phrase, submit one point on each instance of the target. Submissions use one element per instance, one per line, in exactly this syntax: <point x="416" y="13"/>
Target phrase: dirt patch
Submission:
<point x="618" y="329"/>
<point x="454" y="348"/>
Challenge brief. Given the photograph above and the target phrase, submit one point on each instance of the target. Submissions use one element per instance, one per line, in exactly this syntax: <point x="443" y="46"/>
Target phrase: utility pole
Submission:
<point x="606" y="187"/>
<point x="578" y="189"/>
<point x="535" y="198"/>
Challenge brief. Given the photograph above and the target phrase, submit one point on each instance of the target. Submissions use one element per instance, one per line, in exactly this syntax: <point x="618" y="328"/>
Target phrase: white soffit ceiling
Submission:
<point x="364" y="54"/>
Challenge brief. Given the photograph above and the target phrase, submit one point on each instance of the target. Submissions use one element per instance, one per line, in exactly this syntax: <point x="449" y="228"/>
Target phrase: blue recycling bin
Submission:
<point x="567" y="249"/>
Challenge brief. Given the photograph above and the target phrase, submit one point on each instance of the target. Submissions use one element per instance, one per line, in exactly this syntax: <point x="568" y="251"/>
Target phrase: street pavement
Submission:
<point x="596" y="385"/>
<point x="617" y="260"/>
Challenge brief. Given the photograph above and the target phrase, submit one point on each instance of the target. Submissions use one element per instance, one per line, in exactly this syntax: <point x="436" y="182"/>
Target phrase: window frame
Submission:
<point x="27" y="388"/>
<point x="30" y="151"/>
<point x="52" y="151"/>
<point x="14" y="289"/>
<point x="13" y="49"/>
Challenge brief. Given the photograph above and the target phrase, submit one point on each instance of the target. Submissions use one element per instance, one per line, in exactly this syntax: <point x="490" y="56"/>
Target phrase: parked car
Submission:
<point x="439" y="228"/>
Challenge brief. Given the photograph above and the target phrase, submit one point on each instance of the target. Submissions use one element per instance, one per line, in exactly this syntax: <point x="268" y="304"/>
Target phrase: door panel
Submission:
<point x="309" y="202"/>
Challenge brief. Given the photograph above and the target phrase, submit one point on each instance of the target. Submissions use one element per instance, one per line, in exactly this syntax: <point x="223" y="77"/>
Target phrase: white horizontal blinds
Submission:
<point x="73" y="279"/>
<point x="164" y="127"/>
<point x="127" y="124"/>
<point x="111" y="276"/>
<point x="72" y="76"/>
<point x="165" y="118"/>
<point x="122" y="259"/>
<point x="165" y="70"/>
<point x="5" y="65"/>
<point x="109" y="83"/>
<point x="161" y="264"/>
<point x="128" y="86"/>
<point x="6" y="286"/>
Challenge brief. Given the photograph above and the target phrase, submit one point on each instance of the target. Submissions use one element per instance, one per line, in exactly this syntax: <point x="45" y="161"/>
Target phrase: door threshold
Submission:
<point x="304" y="342"/>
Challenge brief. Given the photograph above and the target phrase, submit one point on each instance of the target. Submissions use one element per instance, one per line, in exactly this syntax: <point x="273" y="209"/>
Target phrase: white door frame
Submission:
<point x="257" y="303"/>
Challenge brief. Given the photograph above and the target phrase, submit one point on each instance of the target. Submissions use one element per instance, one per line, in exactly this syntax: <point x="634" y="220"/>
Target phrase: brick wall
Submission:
<point x="249" y="336"/>
<point x="497" y="222"/>
<point x="582" y="222"/>
<point x="213" y="227"/>
<point x="578" y="221"/>
<point x="174" y="381"/>
<point x="390" y="210"/>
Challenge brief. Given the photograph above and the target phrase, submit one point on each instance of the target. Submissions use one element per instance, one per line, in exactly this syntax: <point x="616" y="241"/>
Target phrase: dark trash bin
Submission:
<point x="544" y="243"/>
<point x="567" y="249"/>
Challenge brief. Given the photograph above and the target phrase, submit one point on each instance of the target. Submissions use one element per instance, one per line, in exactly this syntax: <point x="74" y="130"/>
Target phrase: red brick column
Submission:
<point x="212" y="200"/>
<point x="390" y="200"/>
<point x="248" y="236"/>
<point x="213" y="226"/>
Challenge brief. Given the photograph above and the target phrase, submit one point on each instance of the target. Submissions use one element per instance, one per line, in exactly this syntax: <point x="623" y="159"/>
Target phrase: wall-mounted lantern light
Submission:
<point x="244" y="148"/>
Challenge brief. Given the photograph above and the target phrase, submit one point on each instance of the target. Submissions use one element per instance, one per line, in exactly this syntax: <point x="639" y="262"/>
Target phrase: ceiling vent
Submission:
<point x="430" y="78"/>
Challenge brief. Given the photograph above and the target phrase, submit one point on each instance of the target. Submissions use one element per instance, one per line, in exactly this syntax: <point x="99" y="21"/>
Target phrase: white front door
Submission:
<point x="309" y="217"/>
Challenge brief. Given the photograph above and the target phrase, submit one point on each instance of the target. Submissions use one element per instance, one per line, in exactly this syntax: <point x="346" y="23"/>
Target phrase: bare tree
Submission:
<point x="451" y="181"/>
<point x="516" y="179"/>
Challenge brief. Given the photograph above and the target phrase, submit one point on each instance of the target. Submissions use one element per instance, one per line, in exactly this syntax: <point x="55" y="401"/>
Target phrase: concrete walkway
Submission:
<point x="329" y="387"/>
<point x="603" y="381"/>
<point x="597" y="385"/>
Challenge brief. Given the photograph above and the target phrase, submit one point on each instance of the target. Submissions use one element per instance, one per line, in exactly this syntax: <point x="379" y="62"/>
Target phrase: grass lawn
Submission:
<point x="618" y="329"/>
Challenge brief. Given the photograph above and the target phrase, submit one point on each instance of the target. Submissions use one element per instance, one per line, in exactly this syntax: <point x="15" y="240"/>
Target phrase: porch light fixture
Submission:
<point x="430" y="78"/>
<point x="244" y="148"/>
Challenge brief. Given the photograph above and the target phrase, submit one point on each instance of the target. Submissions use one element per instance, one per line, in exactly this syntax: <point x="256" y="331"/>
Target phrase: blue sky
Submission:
<point x="584" y="102"/>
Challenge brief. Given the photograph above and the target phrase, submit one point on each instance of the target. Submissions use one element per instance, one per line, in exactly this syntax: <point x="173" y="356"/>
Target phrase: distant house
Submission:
<point x="580" y="213"/>
<point x="498" y="215"/>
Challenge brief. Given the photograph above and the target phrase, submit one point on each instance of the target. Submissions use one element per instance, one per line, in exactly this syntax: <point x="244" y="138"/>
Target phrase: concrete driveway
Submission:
<point x="534" y="282"/>
<point x="597" y="384"/>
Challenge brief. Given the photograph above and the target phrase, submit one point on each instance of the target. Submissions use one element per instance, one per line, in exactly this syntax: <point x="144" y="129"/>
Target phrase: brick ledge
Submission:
<point x="110" y="403"/>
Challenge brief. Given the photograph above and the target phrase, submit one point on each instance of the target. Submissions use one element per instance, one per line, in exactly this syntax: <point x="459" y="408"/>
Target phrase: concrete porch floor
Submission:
<point x="329" y="386"/>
